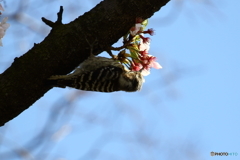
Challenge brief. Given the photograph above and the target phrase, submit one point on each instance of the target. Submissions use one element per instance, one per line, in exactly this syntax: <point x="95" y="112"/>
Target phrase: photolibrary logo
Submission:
<point x="223" y="153"/>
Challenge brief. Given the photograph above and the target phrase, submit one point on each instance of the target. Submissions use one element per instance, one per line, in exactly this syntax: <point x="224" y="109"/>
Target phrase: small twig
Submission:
<point x="119" y="48"/>
<point x="59" y="19"/>
<point x="111" y="54"/>
<point x="48" y="22"/>
<point x="59" y="14"/>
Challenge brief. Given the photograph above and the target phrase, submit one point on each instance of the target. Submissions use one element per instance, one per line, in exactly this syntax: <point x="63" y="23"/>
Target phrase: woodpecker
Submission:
<point x="100" y="74"/>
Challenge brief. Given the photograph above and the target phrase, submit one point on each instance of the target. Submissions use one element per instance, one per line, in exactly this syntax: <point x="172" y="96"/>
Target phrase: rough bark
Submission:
<point x="66" y="47"/>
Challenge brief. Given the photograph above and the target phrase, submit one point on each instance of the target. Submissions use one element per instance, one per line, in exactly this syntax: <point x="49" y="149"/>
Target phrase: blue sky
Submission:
<point x="184" y="111"/>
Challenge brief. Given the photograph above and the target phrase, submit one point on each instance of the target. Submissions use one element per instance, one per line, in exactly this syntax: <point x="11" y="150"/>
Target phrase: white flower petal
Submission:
<point x="5" y="26"/>
<point x="144" y="46"/>
<point x="4" y="20"/>
<point x="145" y="72"/>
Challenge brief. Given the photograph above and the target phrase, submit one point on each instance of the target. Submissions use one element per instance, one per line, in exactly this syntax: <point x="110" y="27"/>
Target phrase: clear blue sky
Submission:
<point x="184" y="111"/>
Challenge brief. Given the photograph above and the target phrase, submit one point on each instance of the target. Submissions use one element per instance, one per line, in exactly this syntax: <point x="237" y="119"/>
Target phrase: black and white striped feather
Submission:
<point x="100" y="74"/>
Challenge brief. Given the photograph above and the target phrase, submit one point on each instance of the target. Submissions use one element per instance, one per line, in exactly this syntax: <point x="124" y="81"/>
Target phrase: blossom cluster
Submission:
<point x="3" y="26"/>
<point x="138" y="45"/>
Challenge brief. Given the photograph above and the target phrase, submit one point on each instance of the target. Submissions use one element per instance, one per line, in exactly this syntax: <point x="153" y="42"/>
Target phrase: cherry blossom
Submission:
<point x="144" y="46"/>
<point x="3" y="27"/>
<point x="139" y="58"/>
<point x="149" y="31"/>
<point x="134" y="30"/>
<point x="145" y="39"/>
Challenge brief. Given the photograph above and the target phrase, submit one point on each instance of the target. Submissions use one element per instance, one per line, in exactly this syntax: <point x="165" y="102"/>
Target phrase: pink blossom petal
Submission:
<point x="136" y="68"/>
<point x="143" y="53"/>
<point x="134" y="30"/>
<point x="1" y="8"/>
<point x="3" y="27"/>
<point x="156" y="65"/>
<point x="2" y="32"/>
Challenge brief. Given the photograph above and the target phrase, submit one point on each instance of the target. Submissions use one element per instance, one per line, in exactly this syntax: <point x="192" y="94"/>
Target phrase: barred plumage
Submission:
<point x="100" y="74"/>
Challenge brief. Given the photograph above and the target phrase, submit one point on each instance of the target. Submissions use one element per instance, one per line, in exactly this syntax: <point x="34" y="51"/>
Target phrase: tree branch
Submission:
<point x="66" y="47"/>
<point x="59" y="19"/>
